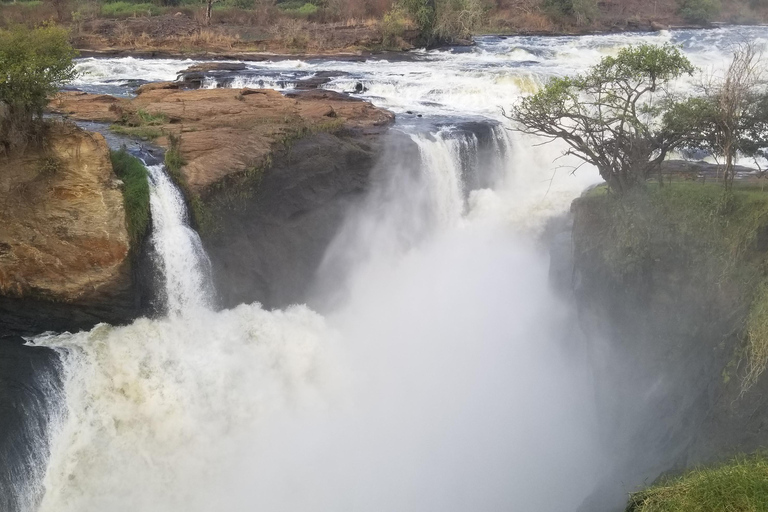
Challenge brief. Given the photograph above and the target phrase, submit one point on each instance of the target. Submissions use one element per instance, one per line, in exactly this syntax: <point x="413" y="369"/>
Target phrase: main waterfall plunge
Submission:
<point x="435" y="367"/>
<point x="440" y="380"/>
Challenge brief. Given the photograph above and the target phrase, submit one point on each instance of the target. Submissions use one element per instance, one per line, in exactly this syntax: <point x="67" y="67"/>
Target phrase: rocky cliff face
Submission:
<point x="665" y="329"/>
<point x="65" y="264"/>
<point x="268" y="176"/>
<point x="64" y="250"/>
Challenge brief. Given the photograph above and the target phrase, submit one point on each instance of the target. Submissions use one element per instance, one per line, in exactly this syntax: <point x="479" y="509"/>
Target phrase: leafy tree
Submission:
<point x="444" y="20"/>
<point x="731" y="116"/>
<point x="35" y="64"/>
<point x="609" y="115"/>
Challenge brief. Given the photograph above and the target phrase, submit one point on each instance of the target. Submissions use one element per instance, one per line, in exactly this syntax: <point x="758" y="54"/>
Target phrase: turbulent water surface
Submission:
<point x="447" y="376"/>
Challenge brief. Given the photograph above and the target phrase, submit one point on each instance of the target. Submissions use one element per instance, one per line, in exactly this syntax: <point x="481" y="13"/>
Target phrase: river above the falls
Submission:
<point x="450" y="376"/>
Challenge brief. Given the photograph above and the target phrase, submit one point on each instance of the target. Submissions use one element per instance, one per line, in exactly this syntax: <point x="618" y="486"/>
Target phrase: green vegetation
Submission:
<point x="439" y="21"/>
<point x="608" y="115"/>
<point x="35" y="64"/>
<point x="298" y="9"/>
<point x="699" y="11"/>
<point x="709" y="230"/>
<point x="173" y="159"/>
<point x="141" y="124"/>
<point x="741" y="485"/>
<point x="135" y="193"/>
<point x="123" y="9"/>
<point x="730" y="118"/>
<point x="149" y="119"/>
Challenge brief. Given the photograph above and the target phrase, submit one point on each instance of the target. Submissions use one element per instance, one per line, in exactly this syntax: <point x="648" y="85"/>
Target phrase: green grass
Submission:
<point x="299" y="10"/>
<point x="124" y="9"/>
<point x="141" y="132"/>
<point x="173" y="159"/>
<point x="149" y="119"/>
<point x="135" y="193"/>
<point x="741" y="485"/>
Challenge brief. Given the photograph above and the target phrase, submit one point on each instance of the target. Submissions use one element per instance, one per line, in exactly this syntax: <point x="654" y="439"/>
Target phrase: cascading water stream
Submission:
<point x="182" y="259"/>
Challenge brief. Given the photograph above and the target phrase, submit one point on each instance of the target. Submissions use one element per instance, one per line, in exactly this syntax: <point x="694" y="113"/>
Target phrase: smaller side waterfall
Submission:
<point x="183" y="262"/>
<point x="442" y="155"/>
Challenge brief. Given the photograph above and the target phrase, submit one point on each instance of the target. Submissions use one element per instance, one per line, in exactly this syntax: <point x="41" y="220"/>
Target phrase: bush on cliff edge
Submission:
<point x="35" y="64"/>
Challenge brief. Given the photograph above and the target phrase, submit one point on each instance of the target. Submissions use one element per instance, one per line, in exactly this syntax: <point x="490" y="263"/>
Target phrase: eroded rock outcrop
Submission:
<point x="64" y="248"/>
<point x="268" y="176"/>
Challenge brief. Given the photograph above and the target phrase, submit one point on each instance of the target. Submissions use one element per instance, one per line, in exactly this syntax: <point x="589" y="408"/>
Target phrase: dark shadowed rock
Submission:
<point x="30" y="393"/>
<point x="270" y="247"/>
<point x="206" y="67"/>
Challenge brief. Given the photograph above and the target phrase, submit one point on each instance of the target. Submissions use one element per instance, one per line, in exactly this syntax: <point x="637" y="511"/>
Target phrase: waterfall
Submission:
<point x="402" y="397"/>
<point x="182" y="259"/>
<point x="442" y="157"/>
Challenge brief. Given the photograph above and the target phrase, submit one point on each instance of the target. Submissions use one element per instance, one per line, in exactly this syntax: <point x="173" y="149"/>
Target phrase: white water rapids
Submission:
<point x="447" y="374"/>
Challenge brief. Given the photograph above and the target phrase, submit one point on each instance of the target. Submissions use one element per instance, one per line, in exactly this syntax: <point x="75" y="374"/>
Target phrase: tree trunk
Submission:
<point x="208" y="12"/>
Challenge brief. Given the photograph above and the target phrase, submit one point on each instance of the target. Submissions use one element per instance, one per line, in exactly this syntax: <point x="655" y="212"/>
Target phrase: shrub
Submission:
<point x="582" y="10"/>
<point x="135" y="193"/>
<point x="699" y="11"/>
<point x="299" y="11"/>
<point x="458" y="19"/>
<point x="35" y="64"/>
<point x="393" y="27"/>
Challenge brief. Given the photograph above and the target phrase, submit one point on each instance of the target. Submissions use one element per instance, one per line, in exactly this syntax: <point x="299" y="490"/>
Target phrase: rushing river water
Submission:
<point x="450" y="377"/>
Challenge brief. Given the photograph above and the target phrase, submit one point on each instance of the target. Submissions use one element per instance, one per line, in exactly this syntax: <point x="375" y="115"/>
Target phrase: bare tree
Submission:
<point x="730" y="117"/>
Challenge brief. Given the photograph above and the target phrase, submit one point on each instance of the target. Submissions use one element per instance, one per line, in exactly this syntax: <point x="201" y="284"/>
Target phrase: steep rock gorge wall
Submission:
<point x="66" y="263"/>
<point x="665" y="283"/>
<point x="267" y="244"/>
<point x="65" y="255"/>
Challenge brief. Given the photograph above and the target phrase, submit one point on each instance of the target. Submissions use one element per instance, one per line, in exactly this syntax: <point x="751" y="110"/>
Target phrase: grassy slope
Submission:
<point x="738" y="486"/>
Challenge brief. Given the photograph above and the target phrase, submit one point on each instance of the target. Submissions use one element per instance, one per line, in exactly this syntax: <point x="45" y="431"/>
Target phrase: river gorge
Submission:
<point x="395" y="320"/>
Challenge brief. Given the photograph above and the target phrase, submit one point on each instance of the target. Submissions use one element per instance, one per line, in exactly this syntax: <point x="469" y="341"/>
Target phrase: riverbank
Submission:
<point x="263" y="31"/>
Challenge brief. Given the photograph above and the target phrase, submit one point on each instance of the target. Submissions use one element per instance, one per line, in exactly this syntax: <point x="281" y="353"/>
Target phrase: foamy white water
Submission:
<point x="444" y="374"/>
<point x="184" y="265"/>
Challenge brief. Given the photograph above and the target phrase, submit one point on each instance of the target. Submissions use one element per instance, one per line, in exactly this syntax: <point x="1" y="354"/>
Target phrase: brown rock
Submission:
<point x="227" y="131"/>
<point x="156" y="85"/>
<point x="62" y="226"/>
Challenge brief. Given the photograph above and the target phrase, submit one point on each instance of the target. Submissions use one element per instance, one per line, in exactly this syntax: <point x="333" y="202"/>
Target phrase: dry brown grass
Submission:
<point x="25" y="14"/>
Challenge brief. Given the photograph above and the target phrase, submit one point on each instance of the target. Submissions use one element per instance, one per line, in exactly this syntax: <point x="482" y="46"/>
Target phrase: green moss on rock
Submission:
<point x="135" y="193"/>
<point x="696" y="234"/>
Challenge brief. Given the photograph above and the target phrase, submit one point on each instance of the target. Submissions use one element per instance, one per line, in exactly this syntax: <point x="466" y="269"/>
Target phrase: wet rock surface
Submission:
<point x="225" y="132"/>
